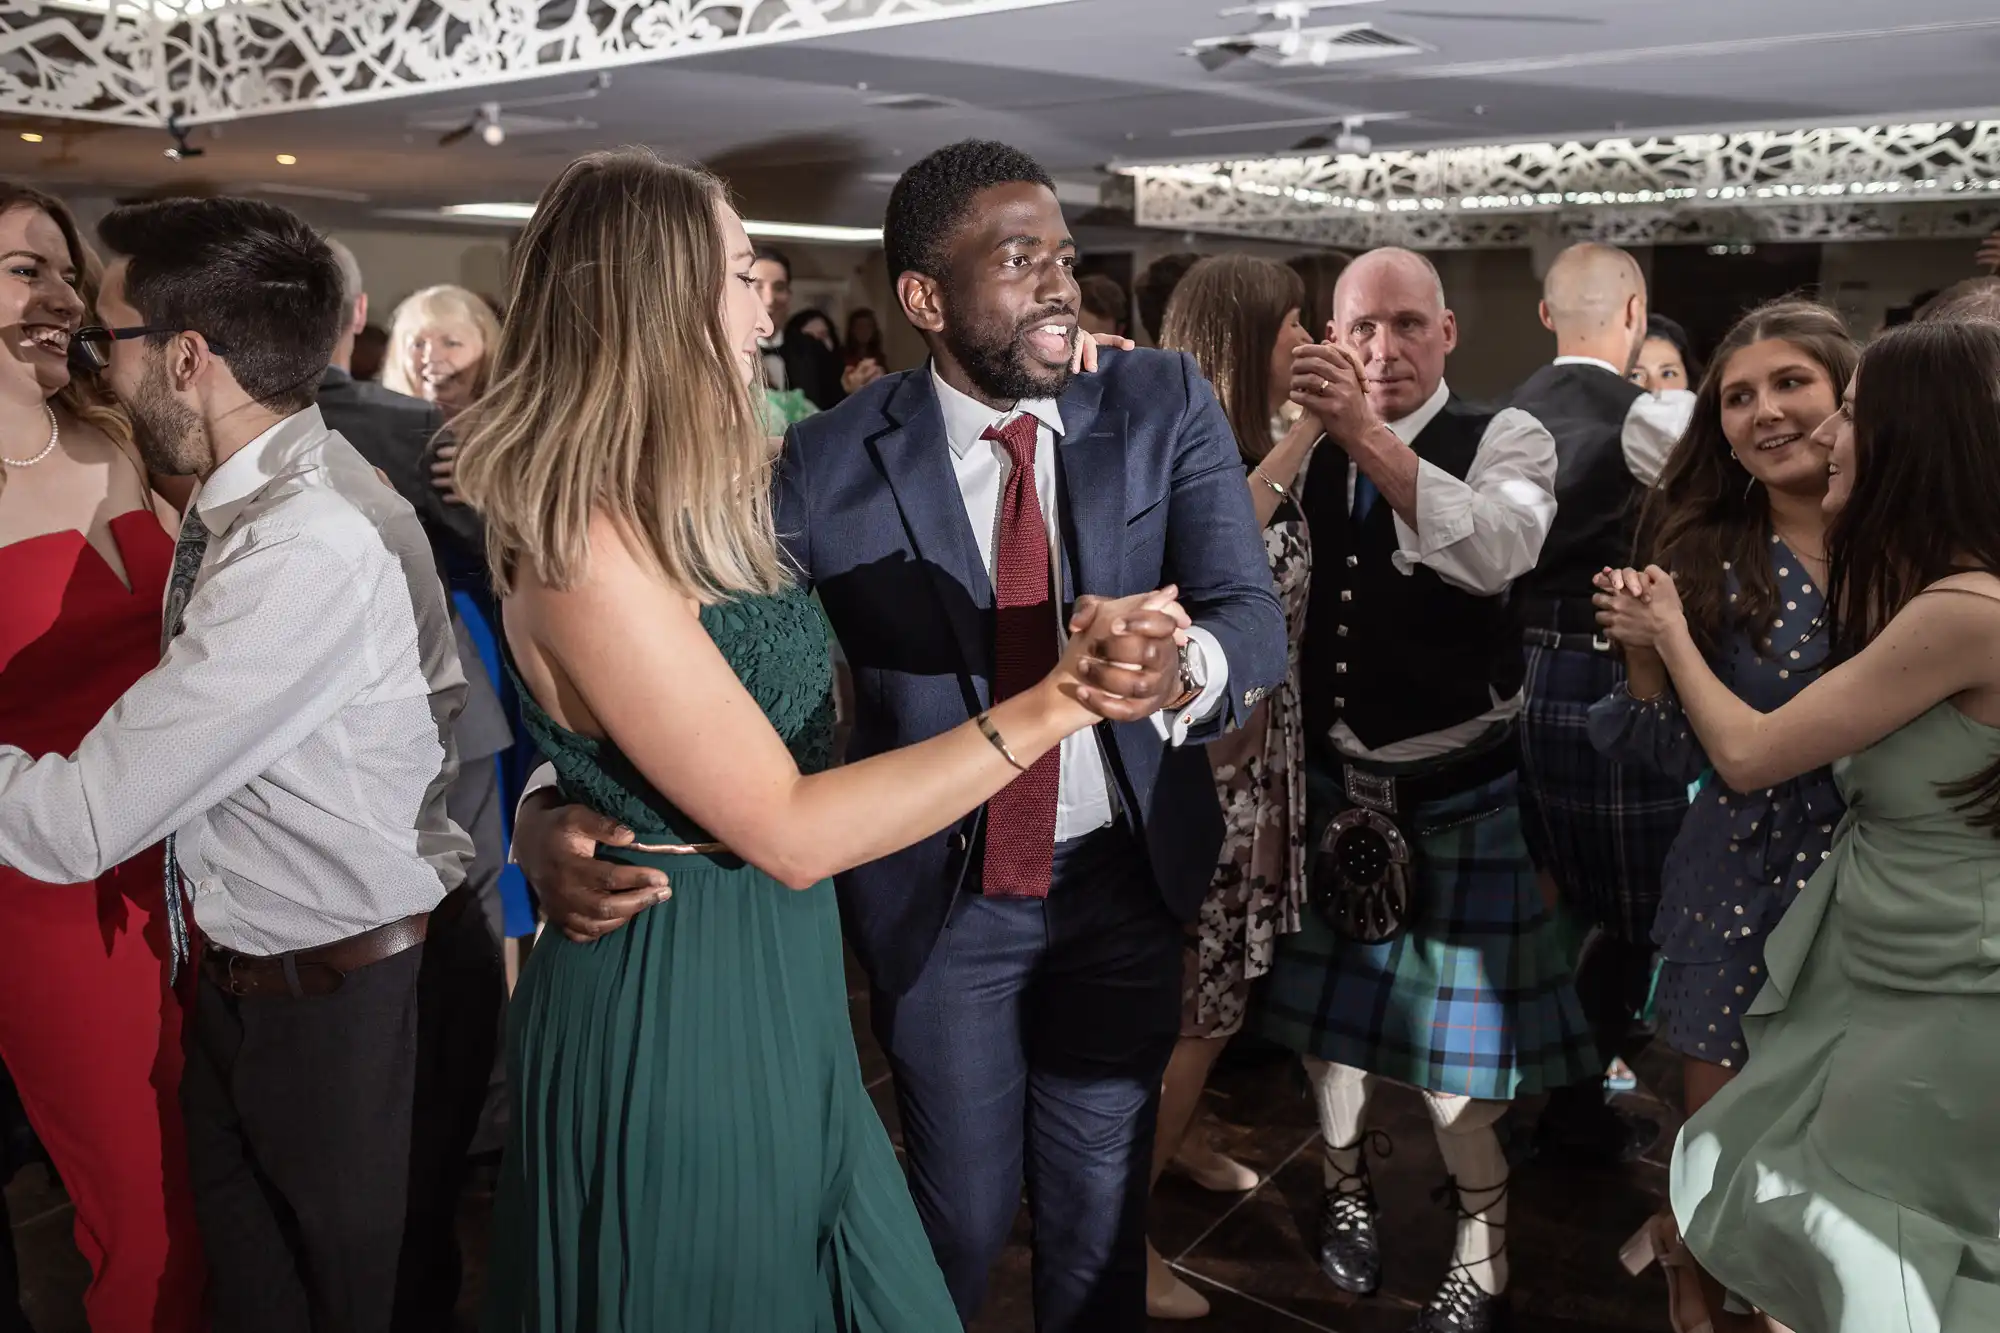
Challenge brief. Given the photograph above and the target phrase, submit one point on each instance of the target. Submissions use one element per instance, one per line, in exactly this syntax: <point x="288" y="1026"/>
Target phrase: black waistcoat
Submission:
<point x="1597" y="497"/>
<point x="1396" y="655"/>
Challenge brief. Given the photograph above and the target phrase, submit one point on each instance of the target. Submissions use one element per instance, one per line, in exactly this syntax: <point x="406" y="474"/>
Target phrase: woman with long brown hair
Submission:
<point x="1845" y="1180"/>
<point x="1239" y="318"/>
<point x="1737" y="517"/>
<point x="89" y="1027"/>
<point x="692" y="1145"/>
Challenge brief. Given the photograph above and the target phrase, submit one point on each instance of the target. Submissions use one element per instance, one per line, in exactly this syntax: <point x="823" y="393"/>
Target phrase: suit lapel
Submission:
<point x="1092" y="461"/>
<point x="915" y="460"/>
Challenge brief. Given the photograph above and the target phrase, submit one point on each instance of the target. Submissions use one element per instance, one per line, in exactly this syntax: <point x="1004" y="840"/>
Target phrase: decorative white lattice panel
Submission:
<point x="138" y="61"/>
<point x="1818" y="184"/>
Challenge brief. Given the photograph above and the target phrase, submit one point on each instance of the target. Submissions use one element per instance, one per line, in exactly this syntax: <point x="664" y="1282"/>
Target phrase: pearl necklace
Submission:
<point x="55" y="434"/>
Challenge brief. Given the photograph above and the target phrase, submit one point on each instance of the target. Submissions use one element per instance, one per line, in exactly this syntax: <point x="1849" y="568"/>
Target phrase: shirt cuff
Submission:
<point x="540" y="780"/>
<point x="1444" y="517"/>
<point x="1174" y="729"/>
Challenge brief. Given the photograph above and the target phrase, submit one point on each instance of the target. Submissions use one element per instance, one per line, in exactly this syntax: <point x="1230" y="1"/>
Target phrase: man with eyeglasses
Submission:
<point x="293" y="749"/>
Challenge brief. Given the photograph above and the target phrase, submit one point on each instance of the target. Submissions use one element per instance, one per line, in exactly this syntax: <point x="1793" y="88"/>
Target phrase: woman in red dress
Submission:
<point x="89" y="1028"/>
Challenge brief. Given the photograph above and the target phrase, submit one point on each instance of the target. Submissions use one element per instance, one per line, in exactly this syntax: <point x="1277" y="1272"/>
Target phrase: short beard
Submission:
<point x="998" y="362"/>
<point x="167" y="431"/>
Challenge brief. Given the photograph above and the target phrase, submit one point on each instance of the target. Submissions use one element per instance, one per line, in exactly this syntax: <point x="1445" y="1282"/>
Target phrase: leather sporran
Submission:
<point x="1364" y="869"/>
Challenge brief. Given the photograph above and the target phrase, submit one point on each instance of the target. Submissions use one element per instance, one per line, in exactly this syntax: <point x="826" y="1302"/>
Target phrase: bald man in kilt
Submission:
<point x="1600" y="830"/>
<point x="1428" y="956"/>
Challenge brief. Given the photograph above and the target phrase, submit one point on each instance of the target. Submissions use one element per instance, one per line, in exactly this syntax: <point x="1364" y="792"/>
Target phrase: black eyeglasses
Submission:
<point x="91" y="345"/>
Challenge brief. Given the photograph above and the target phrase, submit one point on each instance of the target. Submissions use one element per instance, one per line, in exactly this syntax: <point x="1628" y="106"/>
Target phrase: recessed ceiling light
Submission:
<point x="500" y="212"/>
<point x="777" y="231"/>
<point x="29" y="136"/>
<point x="287" y="160"/>
<point x="801" y="231"/>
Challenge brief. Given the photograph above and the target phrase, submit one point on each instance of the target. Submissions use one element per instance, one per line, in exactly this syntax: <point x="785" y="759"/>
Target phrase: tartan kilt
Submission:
<point x="1601" y="830"/>
<point x="1473" y="999"/>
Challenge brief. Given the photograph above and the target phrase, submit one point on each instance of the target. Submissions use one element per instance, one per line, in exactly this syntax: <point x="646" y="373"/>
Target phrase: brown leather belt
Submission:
<point x="322" y="971"/>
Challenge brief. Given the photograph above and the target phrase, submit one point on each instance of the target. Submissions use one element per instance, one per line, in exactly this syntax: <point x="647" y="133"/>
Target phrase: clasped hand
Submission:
<point x="1637" y="609"/>
<point x="1328" y="382"/>
<point x="1122" y="661"/>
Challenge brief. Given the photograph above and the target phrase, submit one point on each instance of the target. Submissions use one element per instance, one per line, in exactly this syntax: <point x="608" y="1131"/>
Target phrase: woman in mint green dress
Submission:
<point x="1847" y="1181"/>
<point x="692" y="1150"/>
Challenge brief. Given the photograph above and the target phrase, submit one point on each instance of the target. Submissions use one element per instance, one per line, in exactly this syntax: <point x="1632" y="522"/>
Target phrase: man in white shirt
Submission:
<point x="294" y="750"/>
<point x="1599" y="830"/>
<point x="1428" y="956"/>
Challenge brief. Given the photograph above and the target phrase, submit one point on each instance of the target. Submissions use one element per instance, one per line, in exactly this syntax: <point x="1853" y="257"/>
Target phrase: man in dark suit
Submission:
<point x="1026" y="963"/>
<point x="398" y="434"/>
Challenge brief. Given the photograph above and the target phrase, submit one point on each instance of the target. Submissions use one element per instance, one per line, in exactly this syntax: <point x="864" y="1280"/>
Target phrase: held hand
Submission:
<point x="860" y="375"/>
<point x="1640" y="616"/>
<point x="1084" y="358"/>
<point x="1122" y="661"/>
<point x="444" y="473"/>
<point x="585" y="897"/>
<point x="1327" y="383"/>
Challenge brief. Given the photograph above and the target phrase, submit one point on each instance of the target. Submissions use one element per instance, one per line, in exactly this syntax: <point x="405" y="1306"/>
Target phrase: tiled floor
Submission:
<point x="1248" y="1253"/>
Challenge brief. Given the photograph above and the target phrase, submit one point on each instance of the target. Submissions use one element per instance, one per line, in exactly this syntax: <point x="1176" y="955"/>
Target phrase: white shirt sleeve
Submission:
<point x="253" y="673"/>
<point x="1482" y="533"/>
<point x="1653" y="427"/>
<point x="543" y="778"/>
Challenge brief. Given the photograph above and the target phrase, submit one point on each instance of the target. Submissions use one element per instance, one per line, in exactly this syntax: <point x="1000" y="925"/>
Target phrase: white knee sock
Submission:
<point x="1342" y="1094"/>
<point x="1473" y="1156"/>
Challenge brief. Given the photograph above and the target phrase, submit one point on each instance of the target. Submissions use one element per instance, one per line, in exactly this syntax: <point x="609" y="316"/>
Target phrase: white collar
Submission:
<point x="966" y="419"/>
<point x="1408" y="428"/>
<point x="1587" y="361"/>
<point x="244" y="473"/>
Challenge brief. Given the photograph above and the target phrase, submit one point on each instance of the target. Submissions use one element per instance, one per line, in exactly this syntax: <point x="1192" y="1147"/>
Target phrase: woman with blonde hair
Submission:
<point x="692" y="1146"/>
<point x="440" y="342"/>
<point x="1239" y="318"/>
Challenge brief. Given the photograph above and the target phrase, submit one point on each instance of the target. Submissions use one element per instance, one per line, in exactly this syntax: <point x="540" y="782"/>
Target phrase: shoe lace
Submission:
<point x="1350" y="1209"/>
<point x="1460" y="1296"/>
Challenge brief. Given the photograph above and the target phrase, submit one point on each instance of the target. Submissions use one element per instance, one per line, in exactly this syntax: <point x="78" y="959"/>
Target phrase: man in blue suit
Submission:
<point x="1026" y="964"/>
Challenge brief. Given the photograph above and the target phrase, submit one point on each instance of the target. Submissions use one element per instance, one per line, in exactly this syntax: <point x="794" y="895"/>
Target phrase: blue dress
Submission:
<point x="1741" y="857"/>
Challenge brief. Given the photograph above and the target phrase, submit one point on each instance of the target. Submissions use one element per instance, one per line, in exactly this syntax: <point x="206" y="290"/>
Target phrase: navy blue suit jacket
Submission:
<point x="1151" y="492"/>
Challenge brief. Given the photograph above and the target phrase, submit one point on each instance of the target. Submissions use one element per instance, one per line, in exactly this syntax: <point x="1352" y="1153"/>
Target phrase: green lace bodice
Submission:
<point x="777" y="645"/>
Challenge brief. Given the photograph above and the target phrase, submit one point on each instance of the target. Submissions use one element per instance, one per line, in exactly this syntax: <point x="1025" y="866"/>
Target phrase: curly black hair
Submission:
<point x="934" y="196"/>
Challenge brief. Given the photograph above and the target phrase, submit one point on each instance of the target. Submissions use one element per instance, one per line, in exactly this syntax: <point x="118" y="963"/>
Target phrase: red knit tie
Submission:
<point x="1021" y="819"/>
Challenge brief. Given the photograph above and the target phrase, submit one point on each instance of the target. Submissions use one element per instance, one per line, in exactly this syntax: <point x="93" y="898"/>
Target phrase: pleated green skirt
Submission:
<point x="692" y="1147"/>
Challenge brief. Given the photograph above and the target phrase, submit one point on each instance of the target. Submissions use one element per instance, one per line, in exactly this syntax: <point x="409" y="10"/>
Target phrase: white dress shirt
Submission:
<point x="1653" y="426"/>
<point x="1478" y="535"/>
<point x="1083" y="796"/>
<point x="297" y="735"/>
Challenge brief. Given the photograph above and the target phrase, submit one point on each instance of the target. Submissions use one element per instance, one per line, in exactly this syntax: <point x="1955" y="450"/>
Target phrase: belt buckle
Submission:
<point x="230" y="984"/>
<point x="1371" y="791"/>
<point x="1600" y="643"/>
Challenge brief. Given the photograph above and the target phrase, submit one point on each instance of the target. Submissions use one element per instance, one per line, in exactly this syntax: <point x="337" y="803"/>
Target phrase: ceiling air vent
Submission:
<point x="1289" y="39"/>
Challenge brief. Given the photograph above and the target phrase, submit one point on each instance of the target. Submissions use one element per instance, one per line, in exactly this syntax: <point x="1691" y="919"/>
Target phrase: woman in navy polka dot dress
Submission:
<point x="1737" y="519"/>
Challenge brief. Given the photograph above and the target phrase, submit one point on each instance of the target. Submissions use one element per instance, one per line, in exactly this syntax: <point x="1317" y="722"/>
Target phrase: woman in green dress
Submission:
<point x="692" y="1147"/>
<point x="1847" y="1181"/>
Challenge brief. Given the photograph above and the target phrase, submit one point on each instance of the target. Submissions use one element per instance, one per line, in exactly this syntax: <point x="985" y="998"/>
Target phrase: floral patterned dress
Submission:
<point x="1260" y="881"/>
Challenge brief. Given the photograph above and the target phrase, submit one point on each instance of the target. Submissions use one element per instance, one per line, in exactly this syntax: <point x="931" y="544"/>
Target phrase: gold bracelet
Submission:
<point x="992" y="733"/>
<point x="1258" y="473"/>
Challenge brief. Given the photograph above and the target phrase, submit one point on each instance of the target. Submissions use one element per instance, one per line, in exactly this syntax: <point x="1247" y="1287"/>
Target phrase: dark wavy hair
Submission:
<point x="1226" y="313"/>
<point x="1704" y="514"/>
<point x="1926" y="499"/>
